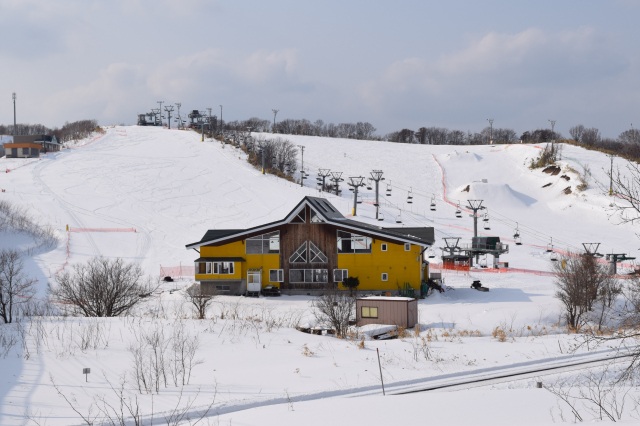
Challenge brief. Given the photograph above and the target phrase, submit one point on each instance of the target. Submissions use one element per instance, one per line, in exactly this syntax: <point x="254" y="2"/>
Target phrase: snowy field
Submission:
<point x="142" y="194"/>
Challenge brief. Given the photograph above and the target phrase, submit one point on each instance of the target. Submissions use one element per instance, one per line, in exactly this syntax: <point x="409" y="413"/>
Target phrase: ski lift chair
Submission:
<point x="517" y="239"/>
<point x="516" y="236"/>
<point x="458" y="211"/>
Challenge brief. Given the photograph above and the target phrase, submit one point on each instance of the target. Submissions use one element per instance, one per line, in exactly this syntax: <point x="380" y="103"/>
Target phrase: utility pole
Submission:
<point x="275" y="112"/>
<point x="490" y="120"/>
<point x="336" y="178"/>
<point x="302" y="177"/>
<point x="553" y="133"/>
<point x="221" y="132"/>
<point x="611" y="176"/>
<point x="169" y="110"/>
<point x="376" y="176"/>
<point x="355" y="183"/>
<point x="160" y="111"/>
<point x="14" y="113"/>
<point x="322" y="176"/>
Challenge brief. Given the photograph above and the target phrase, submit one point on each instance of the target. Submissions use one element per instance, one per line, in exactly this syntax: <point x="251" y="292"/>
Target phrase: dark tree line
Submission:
<point x="626" y="145"/>
<point x="304" y="127"/>
<point x="68" y="132"/>
<point x="443" y="136"/>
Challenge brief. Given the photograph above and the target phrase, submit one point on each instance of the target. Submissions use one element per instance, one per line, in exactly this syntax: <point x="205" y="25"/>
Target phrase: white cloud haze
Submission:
<point x="408" y="65"/>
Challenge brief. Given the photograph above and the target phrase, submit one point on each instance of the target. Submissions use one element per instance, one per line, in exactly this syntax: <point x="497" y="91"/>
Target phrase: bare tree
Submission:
<point x="591" y="136"/>
<point x="627" y="187"/>
<point x="102" y="287"/>
<point x="335" y="308"/>
<point x="16" y="288"/>
<point x="578" y="280"/>
<point x="199" y="300"/>
<point x="576" y="133"/>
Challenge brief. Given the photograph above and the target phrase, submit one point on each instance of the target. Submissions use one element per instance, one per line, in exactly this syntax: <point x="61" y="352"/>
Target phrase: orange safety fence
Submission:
<point x="178" y="271"/>
<point x="100" y="229"/>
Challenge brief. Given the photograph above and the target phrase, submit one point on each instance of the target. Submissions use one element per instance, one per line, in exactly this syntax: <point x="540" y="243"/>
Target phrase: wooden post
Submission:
<point x="380" y="367"/>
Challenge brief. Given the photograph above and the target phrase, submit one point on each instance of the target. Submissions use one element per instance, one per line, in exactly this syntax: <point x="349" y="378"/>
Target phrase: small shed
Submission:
<point x="399" y="311"/>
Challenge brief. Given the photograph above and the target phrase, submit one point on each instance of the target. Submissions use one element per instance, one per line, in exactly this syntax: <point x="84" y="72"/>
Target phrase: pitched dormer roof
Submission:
<point x="327" y="213"/>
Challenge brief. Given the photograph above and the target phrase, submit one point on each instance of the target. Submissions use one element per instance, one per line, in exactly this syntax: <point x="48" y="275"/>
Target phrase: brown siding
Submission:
<point x="403" y="313"/>
<point x="322" y="235"/>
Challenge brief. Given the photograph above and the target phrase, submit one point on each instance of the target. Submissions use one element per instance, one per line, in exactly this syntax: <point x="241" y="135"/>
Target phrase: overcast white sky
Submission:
<point x="398" y="64"/>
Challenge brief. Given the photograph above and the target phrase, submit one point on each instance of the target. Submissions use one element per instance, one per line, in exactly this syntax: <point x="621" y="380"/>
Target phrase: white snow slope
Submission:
<point x="142" y="194"/>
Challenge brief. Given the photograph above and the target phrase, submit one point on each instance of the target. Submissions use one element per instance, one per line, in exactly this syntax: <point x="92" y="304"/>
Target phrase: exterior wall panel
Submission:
<point x="401" y="311"/>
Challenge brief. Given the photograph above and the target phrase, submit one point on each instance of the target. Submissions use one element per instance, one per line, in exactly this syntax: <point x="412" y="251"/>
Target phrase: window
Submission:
<point x="308" y="275"/>
<point x="407" y="246"/>
<point x="300" y="255"/>
<point x="315" y="218"/>
<point x="315" y="255"/>
<point x="353" y="243"/>
<point x="223" y="287"/>
<point x="339" y="275"/>
<point x="300" y="217"/>
<point x="223" y="267"/>
<point x="254" y="277"/>
<point x="383" y="247"/>
<point x="308" y="253"/>
<point x="276" y="275"/>
<point x="262" y="244"/>
<point x="369" y="312"/>
<point x="384" y="276"/>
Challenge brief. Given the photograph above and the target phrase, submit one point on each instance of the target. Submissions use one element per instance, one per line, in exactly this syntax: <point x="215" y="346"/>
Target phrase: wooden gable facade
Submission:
<point x="312" y="249"/>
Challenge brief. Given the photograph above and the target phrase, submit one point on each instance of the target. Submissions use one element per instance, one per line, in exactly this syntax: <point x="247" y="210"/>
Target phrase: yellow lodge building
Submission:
<point x="313" y="248"/>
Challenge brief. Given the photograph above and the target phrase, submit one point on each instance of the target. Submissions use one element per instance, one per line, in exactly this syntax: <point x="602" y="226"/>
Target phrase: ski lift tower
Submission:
<point x="376" y="176"/>
<point x="322" y="177"/>
<point x="454" y="256"/>
<point x="355" y="182"/>
<point x="591" y="249"/>
<point x="475" y="205"/>
<point x="614" y="258"/>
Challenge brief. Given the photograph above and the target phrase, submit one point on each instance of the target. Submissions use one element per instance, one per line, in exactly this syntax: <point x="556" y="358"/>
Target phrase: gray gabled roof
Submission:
<point x="330" y="215"/>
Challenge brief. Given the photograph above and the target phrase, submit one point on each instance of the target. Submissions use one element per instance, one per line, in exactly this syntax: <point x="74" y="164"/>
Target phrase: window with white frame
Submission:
<point x="301" y="217"/>
<point x="383" y="247"/>
<point x="308" y="275"/>
<point x="339" y="275"/>
<point x="308" y="252"/>
<point x="316" y="255"/>
<point x="262" y="244"/>
<point x="300" y="255"/>
<point x="254" y="277"/>
<point x="276" y="275"/>
<point x="353" y="243"/>
<point x="223" y="267"/>
<point x="407" y="246"/>
<point x="384" y="276"/>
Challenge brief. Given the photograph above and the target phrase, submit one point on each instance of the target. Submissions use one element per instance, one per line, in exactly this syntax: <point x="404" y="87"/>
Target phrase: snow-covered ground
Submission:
<point x="142" y="194"/>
